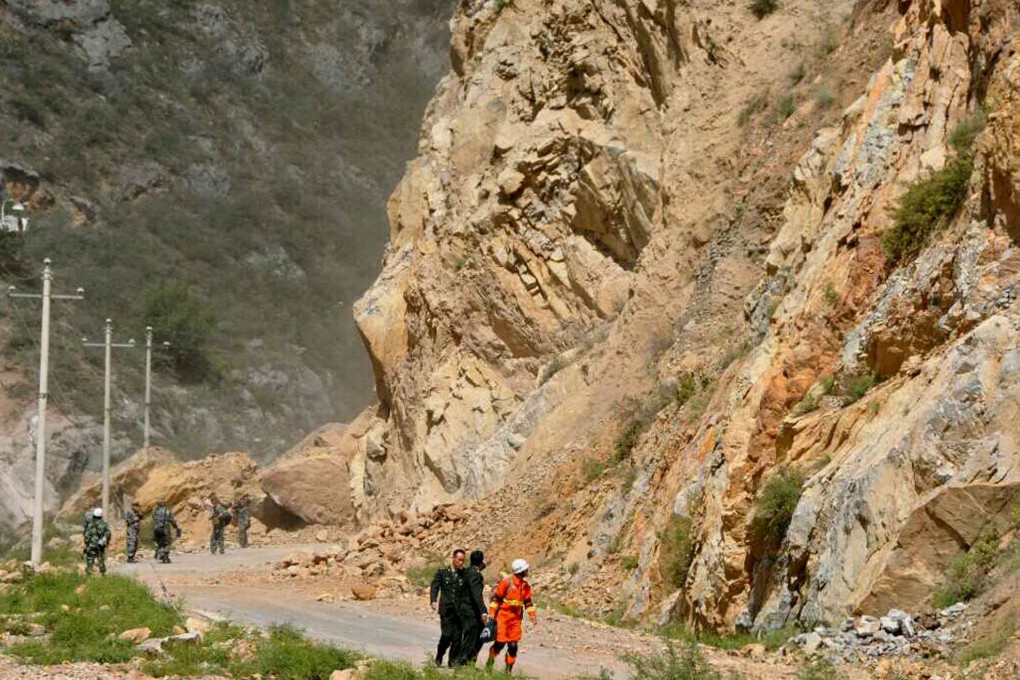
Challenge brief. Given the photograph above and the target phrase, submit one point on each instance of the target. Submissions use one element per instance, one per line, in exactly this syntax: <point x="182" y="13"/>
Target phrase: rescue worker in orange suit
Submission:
<point x="510" y="600"/>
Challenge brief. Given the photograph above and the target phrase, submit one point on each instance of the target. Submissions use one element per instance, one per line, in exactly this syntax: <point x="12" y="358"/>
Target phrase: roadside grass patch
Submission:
<point x="389" y="670"/>
<point x="683" y="663"/>
<point x="283" y="654"/>
<point x="61" y="556"/>
<point x="820" y="669"/>
<point x="422" y="576"/>
<point x="288" y="655"/>
<point x="772" y="640"/>
<point x="107" y="607"/>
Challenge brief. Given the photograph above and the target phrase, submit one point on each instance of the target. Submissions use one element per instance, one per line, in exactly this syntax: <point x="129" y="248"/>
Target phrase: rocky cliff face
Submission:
<point x="645" y="238"/>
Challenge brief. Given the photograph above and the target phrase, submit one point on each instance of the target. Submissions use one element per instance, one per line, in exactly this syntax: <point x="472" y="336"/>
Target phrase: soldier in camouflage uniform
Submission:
<point x="162" y="521"/>
<point x="133" y="519"/>
<point x="97" y="537"/>
<point x="446" y="588"/>
<point x="220" y="518"/>
<point x="86" y="519"/>
<point x="242" y="515"/>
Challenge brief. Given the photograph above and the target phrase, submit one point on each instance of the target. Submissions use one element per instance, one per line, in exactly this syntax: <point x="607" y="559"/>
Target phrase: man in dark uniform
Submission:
<point x="446" y="588"/>
<point x="472" y="610"/>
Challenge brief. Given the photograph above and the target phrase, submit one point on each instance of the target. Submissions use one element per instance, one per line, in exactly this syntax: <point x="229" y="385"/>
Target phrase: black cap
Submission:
<point x="477" y="558"/>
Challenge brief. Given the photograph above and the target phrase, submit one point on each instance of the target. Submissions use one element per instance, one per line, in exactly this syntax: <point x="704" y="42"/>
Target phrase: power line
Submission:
<point x="65" y="406"/>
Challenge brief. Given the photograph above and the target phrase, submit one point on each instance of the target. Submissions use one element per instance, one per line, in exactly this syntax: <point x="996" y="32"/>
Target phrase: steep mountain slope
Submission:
<point x="241" y="152"/>
<point x="649" y="271"/>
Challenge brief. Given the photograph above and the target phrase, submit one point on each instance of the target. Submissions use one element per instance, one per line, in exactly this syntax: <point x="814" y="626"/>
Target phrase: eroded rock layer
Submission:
<point x="637" y="270"/>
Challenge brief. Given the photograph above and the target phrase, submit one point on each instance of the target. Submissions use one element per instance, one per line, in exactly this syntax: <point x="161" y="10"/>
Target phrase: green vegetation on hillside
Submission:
<point x="243" y="155"/>
<point x="932" y="201"/>
<point x="178" y="318"/>
<point x="676" y="550"/>
<point x="925" y="208"/>
<point x="774" y="509"/>
<point x="763" y="8"/>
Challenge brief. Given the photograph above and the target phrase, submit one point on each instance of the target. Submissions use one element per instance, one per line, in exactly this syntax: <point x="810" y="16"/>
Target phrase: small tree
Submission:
<point x="185" y="323"/>
<point x="775" y="507"/>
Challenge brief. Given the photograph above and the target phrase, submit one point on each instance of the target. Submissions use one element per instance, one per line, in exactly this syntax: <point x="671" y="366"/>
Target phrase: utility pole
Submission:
<point x="148" y="384"/>
<point x="40" y="435"/>
<point x="108" y="346"/>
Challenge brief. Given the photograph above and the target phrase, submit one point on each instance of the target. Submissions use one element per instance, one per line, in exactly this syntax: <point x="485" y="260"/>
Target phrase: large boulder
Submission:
<point x="954" y="519"/>
<point x="315" y="488"/>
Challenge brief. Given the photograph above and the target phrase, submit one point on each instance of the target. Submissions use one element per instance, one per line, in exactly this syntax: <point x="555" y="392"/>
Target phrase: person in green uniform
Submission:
<point x="97" y="537"/>
<point x="133" y="519"/>
<point x="162" y="521"/>
<point x="220" y="518"/>
<point x="242" y="515"/>
<point x="472" y="610"/>
<point x="446" y="588"/>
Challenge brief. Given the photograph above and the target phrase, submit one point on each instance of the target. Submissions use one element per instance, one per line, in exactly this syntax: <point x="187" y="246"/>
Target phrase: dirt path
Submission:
<point x="560" y="647"/>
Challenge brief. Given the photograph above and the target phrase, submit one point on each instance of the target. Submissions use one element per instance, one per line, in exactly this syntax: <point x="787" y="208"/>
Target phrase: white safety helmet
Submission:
<point x="98" y="512"/>
<point x="519" y="566"/>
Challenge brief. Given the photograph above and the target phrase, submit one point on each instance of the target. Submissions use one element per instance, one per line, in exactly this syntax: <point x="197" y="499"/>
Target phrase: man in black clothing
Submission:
<point x="472" y="609"/>
<point x="446" y="588"/>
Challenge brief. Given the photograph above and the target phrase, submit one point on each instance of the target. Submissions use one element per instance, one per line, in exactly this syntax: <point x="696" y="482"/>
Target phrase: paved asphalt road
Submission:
<point x="348" y="624"/>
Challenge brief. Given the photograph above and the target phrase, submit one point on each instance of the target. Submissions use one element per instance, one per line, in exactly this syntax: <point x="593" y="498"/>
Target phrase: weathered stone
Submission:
<point x="867" y="626"/>
<point x="363" y="591"/>
<point x="135" y="635"/>
<point x="193" y="638"/>
<point x="296" y="485"/>
<point x="152" y="647"/>
<point x="197" y="625"/>
<point x="889" y="625"/>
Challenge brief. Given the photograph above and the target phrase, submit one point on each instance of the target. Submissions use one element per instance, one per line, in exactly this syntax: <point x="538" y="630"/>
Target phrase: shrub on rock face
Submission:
<point x="676" y="551"/>
<point x="775" y="507"/>
<point x="925" y="208"/>
<point x="763" y="8"/>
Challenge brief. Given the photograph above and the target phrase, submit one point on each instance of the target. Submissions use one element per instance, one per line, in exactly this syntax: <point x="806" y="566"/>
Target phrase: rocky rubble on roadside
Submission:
<point x="897" y="634"/>
<point x="376" y="560"/>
